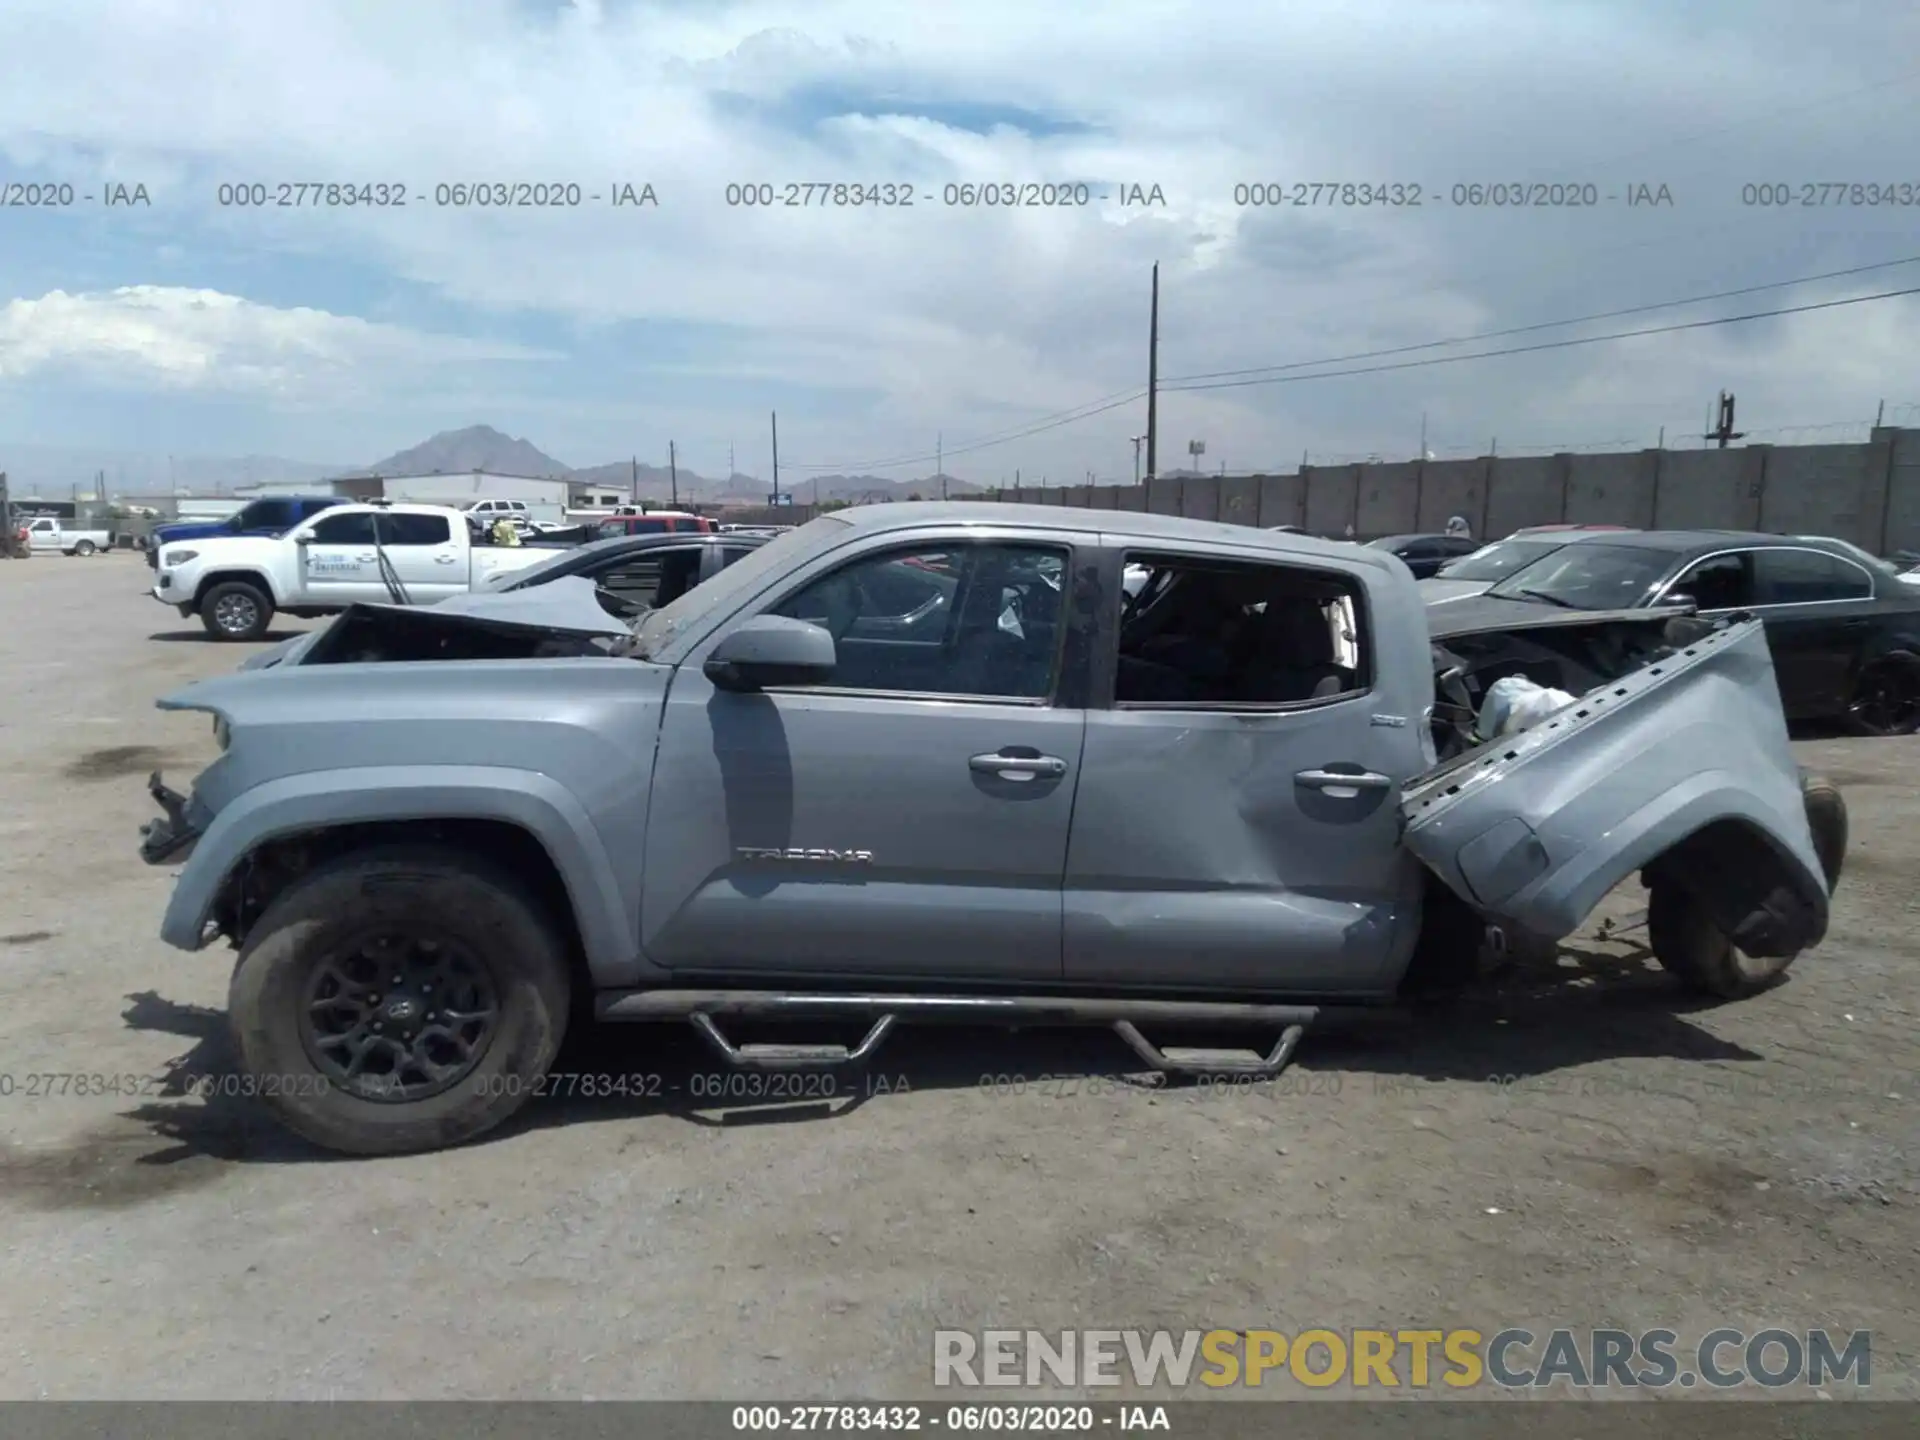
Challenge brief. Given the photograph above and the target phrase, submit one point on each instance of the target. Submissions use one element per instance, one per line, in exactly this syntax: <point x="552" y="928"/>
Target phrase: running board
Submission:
<point x="702" y="1008"/>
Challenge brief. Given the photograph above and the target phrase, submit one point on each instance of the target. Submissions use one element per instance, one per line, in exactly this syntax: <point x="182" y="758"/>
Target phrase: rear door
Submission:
<point x="1253" y="721"/>
<point x="426" y="555"/>
<point x="1819" y="611"/>
<point x="908" y="818"/>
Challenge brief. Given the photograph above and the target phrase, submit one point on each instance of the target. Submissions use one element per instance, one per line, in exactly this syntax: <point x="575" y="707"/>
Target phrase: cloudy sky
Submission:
<point x="335" y="333"/>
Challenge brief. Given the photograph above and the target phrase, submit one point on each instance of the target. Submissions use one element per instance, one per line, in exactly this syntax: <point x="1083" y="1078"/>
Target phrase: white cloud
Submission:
<point x="963" y="320"/>
<point x="181" y="339"/>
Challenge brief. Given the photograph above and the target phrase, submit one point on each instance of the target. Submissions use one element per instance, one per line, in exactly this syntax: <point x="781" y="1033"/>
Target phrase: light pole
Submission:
<point x="1195" y="449"/>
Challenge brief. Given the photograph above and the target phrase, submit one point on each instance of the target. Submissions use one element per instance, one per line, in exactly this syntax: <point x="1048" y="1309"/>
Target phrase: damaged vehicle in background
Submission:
<point x="1843" y="628"/>
<point x="935" y="763"/>
<point x="1474" y="574"/>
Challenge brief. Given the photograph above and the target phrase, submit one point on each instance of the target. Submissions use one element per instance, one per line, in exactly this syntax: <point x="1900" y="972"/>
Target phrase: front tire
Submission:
<point x="1696" y="952"/>
<point x="397" y="1001"/>
<point x="235" y="610"/>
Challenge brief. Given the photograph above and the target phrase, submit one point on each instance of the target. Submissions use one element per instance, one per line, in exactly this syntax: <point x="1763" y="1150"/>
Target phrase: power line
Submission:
<point x="1053" y="422"/>
<point x="1550" y="324"/>
<point x="1557" y="344"/>
<point x="1184" y="382"/>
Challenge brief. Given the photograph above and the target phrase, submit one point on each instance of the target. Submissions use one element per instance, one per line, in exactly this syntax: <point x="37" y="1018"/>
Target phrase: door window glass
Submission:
<point x="353" y="528"/>
<point x="1218" y="634"/>
<point x="1800" y="577"/>
<point x="415" y="530"/>
<point x="1720" y="582"/>
<point x="965" y="619"/>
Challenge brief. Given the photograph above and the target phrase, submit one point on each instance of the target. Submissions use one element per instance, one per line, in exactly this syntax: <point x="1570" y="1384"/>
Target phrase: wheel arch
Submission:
<point x="524" y="821"/>
<point x="256" y="578"/>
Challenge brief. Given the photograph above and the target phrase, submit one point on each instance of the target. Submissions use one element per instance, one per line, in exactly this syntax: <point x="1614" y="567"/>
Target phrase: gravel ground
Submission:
<point x="1574" y="1145"/>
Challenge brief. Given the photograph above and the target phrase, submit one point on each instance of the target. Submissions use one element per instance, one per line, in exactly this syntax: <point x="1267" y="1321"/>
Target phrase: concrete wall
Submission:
<point x="1869" y="494"/>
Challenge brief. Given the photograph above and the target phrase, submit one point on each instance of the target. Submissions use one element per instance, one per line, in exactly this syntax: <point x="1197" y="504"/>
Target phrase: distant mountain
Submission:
<point x="52" y="472"/>
<point x="478" y="447"/>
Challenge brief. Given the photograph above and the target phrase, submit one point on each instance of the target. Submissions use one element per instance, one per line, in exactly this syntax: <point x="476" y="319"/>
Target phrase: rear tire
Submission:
<point x="235" y="610"/>
<point x="464" y="939"/>
<point x="1696" y="952"/>
<point x="1886" y="696"/>
<point x="83" y="549"/>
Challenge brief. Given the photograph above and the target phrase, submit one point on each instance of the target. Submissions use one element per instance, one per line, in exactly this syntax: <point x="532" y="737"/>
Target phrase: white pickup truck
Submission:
<point x="237" y="583"/>
<point x="46" y="533"/>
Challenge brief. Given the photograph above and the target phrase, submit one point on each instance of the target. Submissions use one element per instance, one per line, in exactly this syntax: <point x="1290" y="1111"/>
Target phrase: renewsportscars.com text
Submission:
<point x="1454" y="1359"/>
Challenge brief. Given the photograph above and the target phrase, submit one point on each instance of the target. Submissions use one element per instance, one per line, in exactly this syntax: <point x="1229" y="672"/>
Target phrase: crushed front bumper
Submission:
<point x="169" y="840"/>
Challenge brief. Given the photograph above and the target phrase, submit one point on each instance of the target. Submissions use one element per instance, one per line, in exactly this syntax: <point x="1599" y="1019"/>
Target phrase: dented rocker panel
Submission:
<point x="1535" y="829"/>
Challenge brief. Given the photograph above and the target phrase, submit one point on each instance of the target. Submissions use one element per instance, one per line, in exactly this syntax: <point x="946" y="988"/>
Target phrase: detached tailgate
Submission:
<point x="1534" y="829"/>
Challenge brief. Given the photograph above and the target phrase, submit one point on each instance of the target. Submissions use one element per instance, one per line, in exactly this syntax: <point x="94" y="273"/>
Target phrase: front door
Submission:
<point x="910" y="817"/>
<point x="1239" y="826"/>
<point x="338" y="566"/>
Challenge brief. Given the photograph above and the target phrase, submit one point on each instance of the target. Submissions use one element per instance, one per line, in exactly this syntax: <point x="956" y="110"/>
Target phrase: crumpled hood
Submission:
<point x="567" y="606"/>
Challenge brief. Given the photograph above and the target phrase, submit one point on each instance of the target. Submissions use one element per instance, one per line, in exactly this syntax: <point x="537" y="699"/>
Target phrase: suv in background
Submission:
<point x="269" y="516"/>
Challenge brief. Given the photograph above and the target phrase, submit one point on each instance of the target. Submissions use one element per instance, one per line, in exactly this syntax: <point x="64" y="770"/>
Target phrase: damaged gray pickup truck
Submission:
<point x="942" y="762"/>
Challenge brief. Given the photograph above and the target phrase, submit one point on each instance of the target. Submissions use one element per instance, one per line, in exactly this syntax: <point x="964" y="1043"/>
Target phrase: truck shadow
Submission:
<point x="1586" y="1004"/>
<point x="199" y="634"/>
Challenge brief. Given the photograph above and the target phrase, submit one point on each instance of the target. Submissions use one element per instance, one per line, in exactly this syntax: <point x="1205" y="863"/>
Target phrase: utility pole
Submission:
<point x="673" y="473"/>
<point x="940" y="460"/>
<point x="774" y="417"/>
<point x="1138" y="441"/>
<point x="1723" y="431"/>
<point x="1880" y="415"/>
<point x="1153" y="375"/>
<point x="633" y="479"/>
<point x="730" y="469"/>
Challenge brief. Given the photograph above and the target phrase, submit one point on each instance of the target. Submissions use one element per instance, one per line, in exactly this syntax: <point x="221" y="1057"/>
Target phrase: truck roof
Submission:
<point x="1129" y="524"/>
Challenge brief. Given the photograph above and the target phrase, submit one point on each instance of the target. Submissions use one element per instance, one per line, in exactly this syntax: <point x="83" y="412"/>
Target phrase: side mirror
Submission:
<point x="1680" y="597"/>
<point x="303" y="537"/>
<point x="771" y="650"/>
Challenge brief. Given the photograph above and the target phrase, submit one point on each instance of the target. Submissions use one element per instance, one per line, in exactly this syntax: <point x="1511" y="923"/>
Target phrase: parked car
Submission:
<point x="655" y="522"/>
<point x="614" y="580"/>
<point x="929" y="762"/>
<point x="268" y="516"/>
<point x="50" y="535"/>
<point x="348" y="554"/>
<point x="1472" y="573"/>
<point x="1844" y="629"/>
<point x="1424" y="554"/>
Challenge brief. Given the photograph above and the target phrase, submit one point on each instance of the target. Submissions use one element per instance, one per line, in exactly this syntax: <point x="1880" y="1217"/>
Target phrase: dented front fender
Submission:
<point x="1690" y="751"/>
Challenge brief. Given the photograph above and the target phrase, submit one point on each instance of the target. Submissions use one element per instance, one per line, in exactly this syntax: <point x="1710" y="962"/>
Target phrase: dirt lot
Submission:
<point x="1650" y="1163"/>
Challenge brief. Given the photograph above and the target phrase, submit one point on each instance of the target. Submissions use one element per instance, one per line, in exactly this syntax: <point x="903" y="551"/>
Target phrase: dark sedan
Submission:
<point x="1425" y="554"/>
<point x="1843" y="627"/>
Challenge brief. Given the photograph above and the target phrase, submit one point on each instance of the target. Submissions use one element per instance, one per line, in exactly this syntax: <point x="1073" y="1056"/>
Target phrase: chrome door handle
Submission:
<point x="445" y="559"/>
<point x="366" y="559"/>
<point x="1018" y="764"/>
<point x="1334" y="780"/>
